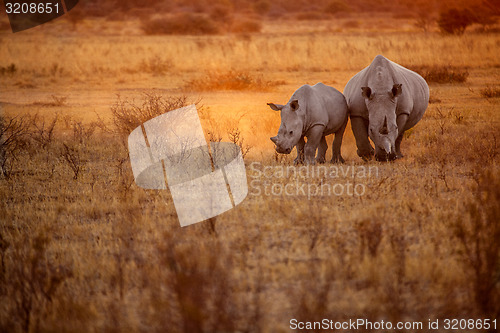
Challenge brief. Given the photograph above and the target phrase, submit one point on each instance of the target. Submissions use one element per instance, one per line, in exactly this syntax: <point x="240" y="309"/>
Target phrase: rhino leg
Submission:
<point x="323" y="146"/>
<point x="401" y="122"/>
<point x="360" y="129"/>
<point x="337" y="143"/>
<point x="300" y="152"/>
<point x="398" y="146"/>
<point x="313" y="140"/>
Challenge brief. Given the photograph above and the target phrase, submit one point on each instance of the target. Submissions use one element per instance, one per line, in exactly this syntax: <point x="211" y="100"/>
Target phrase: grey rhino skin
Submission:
<point x="312" y="112"/>
<point x="385" y="100"/>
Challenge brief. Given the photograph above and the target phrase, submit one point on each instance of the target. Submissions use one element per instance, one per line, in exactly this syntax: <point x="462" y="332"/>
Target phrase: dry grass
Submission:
<point x="184" y="23"/>
<point x="490" y="92"/>
<point x="82" y="248"/>
<point x="231" y="80"/>
<point x="441" y="74"/>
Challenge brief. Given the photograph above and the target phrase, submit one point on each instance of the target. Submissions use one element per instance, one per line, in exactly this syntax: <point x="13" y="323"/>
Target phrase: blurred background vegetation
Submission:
<point x="221" y="16"/>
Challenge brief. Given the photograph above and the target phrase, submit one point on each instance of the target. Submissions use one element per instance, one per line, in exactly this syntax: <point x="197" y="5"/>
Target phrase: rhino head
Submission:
<point x="290" y="130"/>
<point x="383" y="129"/>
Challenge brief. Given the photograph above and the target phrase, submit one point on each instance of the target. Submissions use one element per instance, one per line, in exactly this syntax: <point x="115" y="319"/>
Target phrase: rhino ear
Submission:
<point x="275" y="107"/>
<point x="294" y="105"/>
<point x="396" y="90"/>
<point x="366" y="92"/>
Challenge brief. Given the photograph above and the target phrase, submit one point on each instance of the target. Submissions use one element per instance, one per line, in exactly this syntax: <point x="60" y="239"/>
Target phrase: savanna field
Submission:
<point x="84" y="249"/>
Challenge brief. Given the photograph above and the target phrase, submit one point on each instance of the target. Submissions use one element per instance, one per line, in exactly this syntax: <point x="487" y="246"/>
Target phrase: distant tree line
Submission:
<point x="277" y="7"/>
<point x="213" y="16"/>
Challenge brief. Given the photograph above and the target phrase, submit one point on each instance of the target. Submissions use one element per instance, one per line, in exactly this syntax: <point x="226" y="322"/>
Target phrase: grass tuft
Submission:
<point x="441" y="74"/>
<point x="232" y="80"/>
<point x="490" y="92"/>
<point x="180" y="24"/>
<point x="127" y="115"/>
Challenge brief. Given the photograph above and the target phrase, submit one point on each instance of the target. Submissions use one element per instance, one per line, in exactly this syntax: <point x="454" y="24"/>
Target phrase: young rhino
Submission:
<point x="312" y="112"/>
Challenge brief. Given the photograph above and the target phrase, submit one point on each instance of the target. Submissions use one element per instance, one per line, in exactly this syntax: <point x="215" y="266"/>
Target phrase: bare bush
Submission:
<point x="42" y="130"/>
<point x="200" y="283"/>
<point x="231" y="80"/>
<point x="128" y="115"/>
<point x="72" y="157"/>
<point x="83" y="133"/>
<point x="478" y="232"/>
<point x="490" y="92"/>
<point x="236" y="138"/>
<point x="312" y="297"/>
<point x="441" y="74"/>
<point x="337" y="6"/>
<point x="13" y="135"/>
<point x="55" y="102"/>
<point x="183" y="24"/>
<point x="4" y="245"/>
<point x="245" y="25"/>
<point x="424" y="17"/>
<point x="312" y="16"/>
<point x="455" y="21"/>
<point x="370" y="233"/>
<point x="156" y="65"/>
<point x="32" y="286"/>
<point x="8" y="70"/>
<point x="262" y="7"/>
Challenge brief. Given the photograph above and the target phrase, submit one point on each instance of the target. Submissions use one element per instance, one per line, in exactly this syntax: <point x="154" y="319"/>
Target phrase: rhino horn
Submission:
<point x="383" y="129"/>
<point x="274" y="139"/>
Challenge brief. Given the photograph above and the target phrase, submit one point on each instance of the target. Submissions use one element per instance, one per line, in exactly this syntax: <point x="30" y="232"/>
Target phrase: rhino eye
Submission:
<point x="291" y="132"/>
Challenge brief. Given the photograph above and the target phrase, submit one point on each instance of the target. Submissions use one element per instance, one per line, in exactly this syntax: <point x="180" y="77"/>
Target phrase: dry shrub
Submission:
<point x="72" y="156"/>
<point x="221" y="13"/>
<point x="13" y="139"/>
<point x="195" y="289"/>
<point x="231" y="80"/>
<point x="455" y="21"/>
<point x="478" y="232"/>
<point x="312" y="295"/>
<point x="246" y="25"/>
<point x="451" y="134"/>
<point x="424" y="18"/>
<point x="82" y="133"/>
<point x="262" y="7"/>
<point x="370" y="233"/>
<point x="56" y="101"/>
<point x="441" y="74"/>
<point x="353" y="24"/>
<point x="8" y="70"/>
<point x="490" y="92"/>
<point x="42" y="130"/>
<point x="128" y="115"/>
<point x="183" y="24"/>
<point x="156" y="65"/>
<point x="311" y="15"/>
<point x="32" y="287"/>
<point x="337" y="6"/>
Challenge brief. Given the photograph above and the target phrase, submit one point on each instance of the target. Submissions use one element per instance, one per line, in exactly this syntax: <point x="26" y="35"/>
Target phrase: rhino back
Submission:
<point x="328" y="108"/>
<point x="352" y="92"/>
<point x="415" y="95"/>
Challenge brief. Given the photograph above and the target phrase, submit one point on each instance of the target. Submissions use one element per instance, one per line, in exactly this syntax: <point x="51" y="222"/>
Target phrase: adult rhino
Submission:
<point x="312" y="112"/>
<point x="385" y="100"/>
